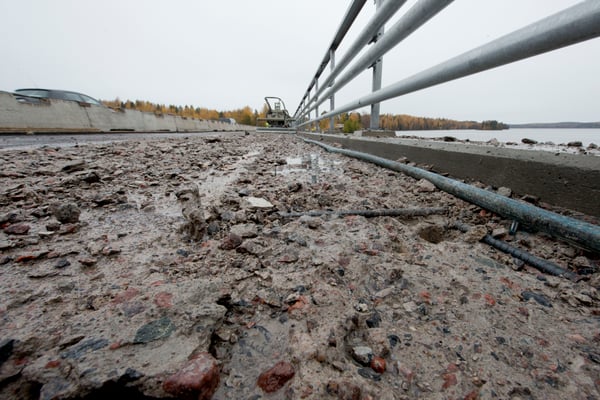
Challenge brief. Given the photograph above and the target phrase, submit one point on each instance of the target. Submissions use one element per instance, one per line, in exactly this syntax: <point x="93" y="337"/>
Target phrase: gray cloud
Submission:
<point x="231" y="53"/>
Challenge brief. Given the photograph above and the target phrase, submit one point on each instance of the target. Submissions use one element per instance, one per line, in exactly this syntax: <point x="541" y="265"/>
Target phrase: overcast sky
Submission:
<point x="227" y="54"/>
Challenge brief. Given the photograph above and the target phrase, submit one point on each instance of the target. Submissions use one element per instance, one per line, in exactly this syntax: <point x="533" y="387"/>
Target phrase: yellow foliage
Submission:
<point x="244" y="116"/>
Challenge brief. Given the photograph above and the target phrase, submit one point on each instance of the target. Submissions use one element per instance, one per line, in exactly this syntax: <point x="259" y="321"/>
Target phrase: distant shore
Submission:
<point x="557" y="125"/>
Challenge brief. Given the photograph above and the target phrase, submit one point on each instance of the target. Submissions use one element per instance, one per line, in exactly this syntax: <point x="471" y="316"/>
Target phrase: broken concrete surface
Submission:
<point x="123" y="299"/>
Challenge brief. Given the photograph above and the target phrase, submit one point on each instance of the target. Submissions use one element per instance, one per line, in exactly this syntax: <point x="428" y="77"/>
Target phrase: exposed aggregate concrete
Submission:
<point x="161" y="268"/>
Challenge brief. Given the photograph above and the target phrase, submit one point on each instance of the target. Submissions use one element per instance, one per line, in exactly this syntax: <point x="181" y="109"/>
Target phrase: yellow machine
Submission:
<point x="277" y="115"/>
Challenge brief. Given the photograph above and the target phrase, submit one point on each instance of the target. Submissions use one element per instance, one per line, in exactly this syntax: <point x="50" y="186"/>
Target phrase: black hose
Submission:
<point x="396" y="212"/>
<point x="540" y="264"/>
<point x="579" y="232"/>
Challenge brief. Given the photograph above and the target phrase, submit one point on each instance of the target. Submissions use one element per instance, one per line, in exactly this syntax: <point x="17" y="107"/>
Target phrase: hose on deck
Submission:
<point x="540" y="264"/>
<point x="579" y="232"/>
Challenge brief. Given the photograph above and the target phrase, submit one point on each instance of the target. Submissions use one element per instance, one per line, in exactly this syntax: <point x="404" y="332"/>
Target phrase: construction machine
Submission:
<point x="277" y="115"/>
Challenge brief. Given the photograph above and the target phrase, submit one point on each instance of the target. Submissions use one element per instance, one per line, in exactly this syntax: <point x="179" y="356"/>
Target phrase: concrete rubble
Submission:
<point x="162" y="268"/>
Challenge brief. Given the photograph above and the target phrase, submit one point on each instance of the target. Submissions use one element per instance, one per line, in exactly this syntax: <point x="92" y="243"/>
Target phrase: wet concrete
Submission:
<point x="22" y="141"/>
<point x="119" y="302"/>
<point x="565" y="180"/>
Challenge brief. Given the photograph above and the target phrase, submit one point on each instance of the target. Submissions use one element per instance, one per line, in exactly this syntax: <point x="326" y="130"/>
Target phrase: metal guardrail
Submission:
<point x="570" y="26"/>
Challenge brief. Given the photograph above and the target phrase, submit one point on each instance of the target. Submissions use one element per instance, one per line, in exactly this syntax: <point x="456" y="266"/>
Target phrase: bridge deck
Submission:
<point x="130" y="282"/>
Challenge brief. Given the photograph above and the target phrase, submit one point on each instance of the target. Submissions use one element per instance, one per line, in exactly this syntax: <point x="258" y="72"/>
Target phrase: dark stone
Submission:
<point x="449" y="139"/>
<point x="275" y="377"/>
<point x="374" y="320"/>
<point x="183" y="253"/>
<point x="594" y="357"/>
<point x="369" y="374"/>
<point x="528" y="141"/>
<point x="74" y="166"/>
<point x="394" y="340"/>
<point x="53" y="226"/>
<point x="300" y="289"/>
<point x="541" y="299"/>
<point x="62" y="263"/>
<point x="575" y="144"/>
<point x="11" y="217"/>
<point x="82" y="348"/>
<point x="155" y="330"/>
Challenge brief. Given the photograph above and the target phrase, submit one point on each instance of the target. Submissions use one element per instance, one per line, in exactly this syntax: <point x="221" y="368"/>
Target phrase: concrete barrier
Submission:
<point x="566" y="180"/>
<point x="52" y="115"/>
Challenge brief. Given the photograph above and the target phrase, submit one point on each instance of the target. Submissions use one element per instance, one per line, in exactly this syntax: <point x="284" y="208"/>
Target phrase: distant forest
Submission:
<point x="347" y="122"/>
<point x="244" y="116"/>
<point x="402" y="122"/>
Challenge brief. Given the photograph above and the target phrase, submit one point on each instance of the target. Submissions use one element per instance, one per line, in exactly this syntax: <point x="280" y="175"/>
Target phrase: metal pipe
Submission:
<point x="349" y="17"/>
<point x="414" y="18"/>
<point x="382" y="15"/>
<point x="332" y="98"/>
<point x="573" y="230"/>
<point x="540" y="264"/>
<point x="573" y="25"/>
<point x="377" y="76"/>
<point x="317" y="124"/>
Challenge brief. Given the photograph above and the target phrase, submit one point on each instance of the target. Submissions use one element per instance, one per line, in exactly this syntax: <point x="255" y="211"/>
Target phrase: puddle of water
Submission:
<point x="309" y="167"/>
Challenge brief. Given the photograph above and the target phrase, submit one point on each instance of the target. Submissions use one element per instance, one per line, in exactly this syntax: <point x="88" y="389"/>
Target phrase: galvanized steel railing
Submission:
<point x="572" y="25"/>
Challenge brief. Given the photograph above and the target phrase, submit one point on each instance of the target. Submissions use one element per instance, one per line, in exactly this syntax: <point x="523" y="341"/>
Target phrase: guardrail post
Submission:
<point x="317" y="123"/>
<point x="332" y="98"/>
<point x="308" y="100"/>
<point x="377" y="74"/>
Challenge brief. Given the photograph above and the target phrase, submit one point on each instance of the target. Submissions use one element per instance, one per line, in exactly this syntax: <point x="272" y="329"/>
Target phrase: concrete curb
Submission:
<point x="565" y="180"/>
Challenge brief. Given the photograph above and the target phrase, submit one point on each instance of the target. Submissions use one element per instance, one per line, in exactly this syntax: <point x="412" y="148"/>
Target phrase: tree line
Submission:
<point x="350" y="122"/>
<point x="346" y="122"/>
<point x="244" y="116"/>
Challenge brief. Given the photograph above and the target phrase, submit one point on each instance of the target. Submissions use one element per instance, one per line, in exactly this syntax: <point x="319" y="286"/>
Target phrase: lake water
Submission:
<point x="556" y="136"/>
